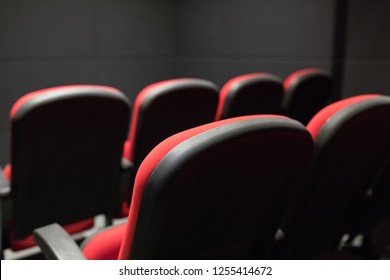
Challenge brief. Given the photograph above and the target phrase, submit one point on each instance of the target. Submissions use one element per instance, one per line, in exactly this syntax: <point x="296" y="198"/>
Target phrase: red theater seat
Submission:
<point x="66" y="150"/>
<point x="165" y="108"/>
<point x="351" y="144"/>
<point x="305" y="93"/>
<point x="251" y="94"/>
<point x="217" y="191"/>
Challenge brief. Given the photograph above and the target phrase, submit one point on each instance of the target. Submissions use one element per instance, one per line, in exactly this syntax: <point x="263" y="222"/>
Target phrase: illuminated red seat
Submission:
<point x="217" y="191"/>
<point x="66" y="146"/>
<point x="251" y="94"/>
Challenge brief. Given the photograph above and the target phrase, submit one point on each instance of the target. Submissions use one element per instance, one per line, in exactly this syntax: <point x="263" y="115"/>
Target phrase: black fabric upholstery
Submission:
<point x="307" y="95"/>
<point x="261" y="94"/>
<point x="376" y="210"/>
<point x="171" y="108"/>
<point x="66" y="152"/>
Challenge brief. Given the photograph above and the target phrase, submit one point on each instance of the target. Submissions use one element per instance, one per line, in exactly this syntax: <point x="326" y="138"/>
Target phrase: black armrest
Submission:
<point x="56" y="243"/>
<point x="127" y="164"/>
<point x="126" y="184"/>
<point x="5" y="189"/>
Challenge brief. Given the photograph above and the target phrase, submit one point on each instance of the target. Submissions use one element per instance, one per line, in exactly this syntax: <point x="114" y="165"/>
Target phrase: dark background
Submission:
<point x="129" y="44"/>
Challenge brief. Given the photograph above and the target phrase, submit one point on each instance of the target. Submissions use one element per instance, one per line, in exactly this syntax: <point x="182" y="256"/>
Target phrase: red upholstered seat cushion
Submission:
<point x="106" y="244"/>
<point x="20" y="244"/>
<point x="315" y="125"/>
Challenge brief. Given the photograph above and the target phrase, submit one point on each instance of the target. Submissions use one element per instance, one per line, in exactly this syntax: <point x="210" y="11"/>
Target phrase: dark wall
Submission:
<point x="219" y="39"/>
<point x="131" y="43"/>
<point x="123" y="43"/>
<point x="367" y="68"/>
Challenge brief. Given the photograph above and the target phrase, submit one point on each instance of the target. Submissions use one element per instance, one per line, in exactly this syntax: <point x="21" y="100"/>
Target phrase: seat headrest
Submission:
<point x="318" y="121"/>
<point x="63" y="92"/>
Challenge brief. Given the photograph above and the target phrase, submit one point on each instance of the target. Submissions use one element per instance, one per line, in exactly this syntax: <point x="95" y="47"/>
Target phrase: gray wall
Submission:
<point x="219" y="39"/>
<point x="367" y="68"/>
<point x="131" y="43"/>
<point x="123" y="43"/>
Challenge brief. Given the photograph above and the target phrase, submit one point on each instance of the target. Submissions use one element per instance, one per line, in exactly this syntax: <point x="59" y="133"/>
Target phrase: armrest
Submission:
<point x="279" y="236"/>
<point x="127" y="164"/>
<point x="127" y="175"/>
<point x="5" y="189"/>
<point x="56" y="243"/>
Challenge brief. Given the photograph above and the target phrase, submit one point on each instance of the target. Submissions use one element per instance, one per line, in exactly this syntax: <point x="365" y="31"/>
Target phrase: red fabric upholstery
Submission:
<point x="7" y="171"/>
<point x="228" y="86"/>
<point x="19" y="103"/>
<point x="20" y="244"/>
<point x="315" y="125"/>
<point x="126" y="150"/>
<point x="109" y="242"/>
<point x="129" y="145"/>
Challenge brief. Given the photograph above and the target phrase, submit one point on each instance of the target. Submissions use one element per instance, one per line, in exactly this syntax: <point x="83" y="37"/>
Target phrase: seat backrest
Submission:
<point x="217" y="191"/>
<point x="165" y="108"/>
<point x="251" y="94"/>
<point x="351" y="144"/>
<point x="306" y="92"/>
<point x="66" y="147"/>
<point x="376" y="210"/>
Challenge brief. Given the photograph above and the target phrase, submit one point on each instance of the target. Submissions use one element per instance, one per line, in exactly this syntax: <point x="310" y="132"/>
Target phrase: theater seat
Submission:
<point x="66" y="146"/>
<point x="376" y="210"/>
<point x="351" y="145"/>
<point x="217" y="191"/>
<point x="165" y="108"/>
<point x="305" y="93"/>
<point x="251" y="94"/>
